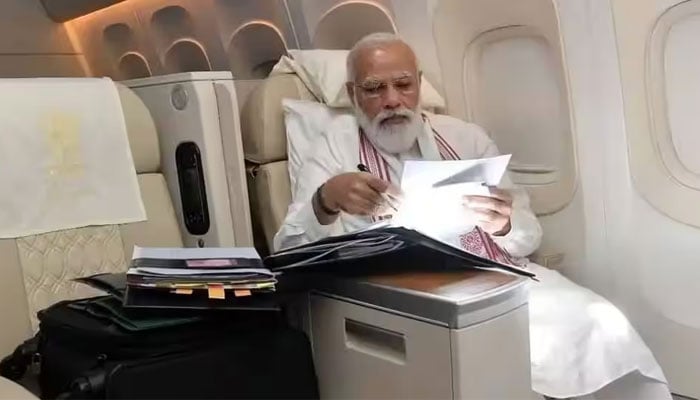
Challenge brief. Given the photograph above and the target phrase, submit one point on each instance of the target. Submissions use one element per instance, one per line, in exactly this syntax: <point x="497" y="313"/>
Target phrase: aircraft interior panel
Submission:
<point x="32" y="45"/>
<point x="242" y="26"/>
<point x="180" y="35"/>
<point x="657" y="49"/>
<point x="508" y="73"/>
<point x="509" y="63"/>
<point x="660" y="92"/>
<point x="337" y="27"/>
<point x="207" y="178"/>
<point x="250" y="63"/>
<point x="596" y="100"/>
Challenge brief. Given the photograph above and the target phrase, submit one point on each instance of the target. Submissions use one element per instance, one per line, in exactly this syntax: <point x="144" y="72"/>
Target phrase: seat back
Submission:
<point x="265" y="148"/>
<point x="37" y="270"/>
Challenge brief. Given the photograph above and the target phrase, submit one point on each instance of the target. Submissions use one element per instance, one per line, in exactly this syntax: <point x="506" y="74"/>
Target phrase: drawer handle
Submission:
<point x="375" y="341"/>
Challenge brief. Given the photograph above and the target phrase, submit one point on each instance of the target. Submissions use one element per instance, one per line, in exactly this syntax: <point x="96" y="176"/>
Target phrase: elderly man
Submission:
<point x="572" y="352"/>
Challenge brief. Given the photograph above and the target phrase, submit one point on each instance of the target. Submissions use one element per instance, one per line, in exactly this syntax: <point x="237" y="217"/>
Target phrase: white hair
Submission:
<point x="372" y="41"/>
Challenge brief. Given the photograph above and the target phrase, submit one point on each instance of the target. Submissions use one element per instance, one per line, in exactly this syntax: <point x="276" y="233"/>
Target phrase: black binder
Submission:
<point x="397" y="245"/>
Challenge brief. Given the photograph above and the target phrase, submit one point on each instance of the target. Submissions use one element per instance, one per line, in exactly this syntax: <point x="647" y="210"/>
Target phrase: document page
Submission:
<point x="433" y="192"/>
<point x="437" y="175"/>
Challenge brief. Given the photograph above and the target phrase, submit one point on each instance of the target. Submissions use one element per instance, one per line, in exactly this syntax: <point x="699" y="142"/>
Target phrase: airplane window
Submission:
<point x="678" y="61"/>
<point x="347" y="23"/>
<point x="186" y="55"/>
<point x="133" y="65"/>
<point x="172" y="22"/>
<point x="516" y="90"/>
<point x="516" y="76"/>
<point x="263" y="69"/>
<point x="119" y="36"/>
<point x="249" y="60"/>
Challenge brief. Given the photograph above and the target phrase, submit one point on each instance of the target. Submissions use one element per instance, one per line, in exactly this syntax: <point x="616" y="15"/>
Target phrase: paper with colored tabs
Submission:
<point x="217" y="292"/>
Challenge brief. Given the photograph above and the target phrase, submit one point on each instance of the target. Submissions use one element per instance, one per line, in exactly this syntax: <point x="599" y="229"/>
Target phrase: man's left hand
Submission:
<point x="492" y="212"/>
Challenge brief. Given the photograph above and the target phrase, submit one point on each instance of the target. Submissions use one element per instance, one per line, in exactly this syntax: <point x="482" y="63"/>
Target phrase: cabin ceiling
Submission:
<point x="64" y="10"/>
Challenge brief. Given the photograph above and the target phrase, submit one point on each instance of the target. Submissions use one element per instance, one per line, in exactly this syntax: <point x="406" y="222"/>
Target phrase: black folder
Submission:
<point x="394" y="244"/>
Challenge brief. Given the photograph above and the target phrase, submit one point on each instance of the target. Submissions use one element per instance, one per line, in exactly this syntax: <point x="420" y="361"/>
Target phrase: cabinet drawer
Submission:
<point x="364" y="353"/>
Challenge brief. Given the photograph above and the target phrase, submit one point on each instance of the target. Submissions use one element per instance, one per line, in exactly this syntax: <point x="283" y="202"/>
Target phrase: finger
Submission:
<point x="500" y="194"/>
<point x="364" y="205"/>
<point x="369" y="194"/>
<point x="375" y="183"/>
<point x="486" y="216"/>
<point x="478" y="202"/>
<point x="497" y="194"/>
<point x="394" y="192"/>
<point x="360" y="208"/>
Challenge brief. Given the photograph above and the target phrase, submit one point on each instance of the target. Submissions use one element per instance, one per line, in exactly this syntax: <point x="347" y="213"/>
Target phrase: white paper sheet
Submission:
<point x="439" y="211"/>
<point x="197" y="271"/>
<point x="174" y="253"/>
<point x="470" y="174"/>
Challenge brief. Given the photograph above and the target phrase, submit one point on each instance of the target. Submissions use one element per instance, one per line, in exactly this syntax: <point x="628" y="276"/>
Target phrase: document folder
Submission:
<point x="136" y="298"/>
<point x="389" y="242"/>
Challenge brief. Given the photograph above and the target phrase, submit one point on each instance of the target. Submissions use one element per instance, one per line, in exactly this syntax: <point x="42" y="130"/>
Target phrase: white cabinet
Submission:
<point x="376" y="341"/>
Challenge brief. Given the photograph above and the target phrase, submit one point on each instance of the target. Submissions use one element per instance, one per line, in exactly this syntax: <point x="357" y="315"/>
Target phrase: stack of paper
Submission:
<point x="219" y="272"/>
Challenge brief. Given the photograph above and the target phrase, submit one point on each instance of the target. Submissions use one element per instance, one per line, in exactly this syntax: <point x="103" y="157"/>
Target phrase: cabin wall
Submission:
<point x="637" y="255"/>
<point x="140" y="38"/>
<point x="33" y="45"/>
<point x="602" y="232"/>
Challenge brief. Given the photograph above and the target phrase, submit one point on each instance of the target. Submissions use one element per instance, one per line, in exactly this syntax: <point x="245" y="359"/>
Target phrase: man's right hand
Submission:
<point x="356" y="193"/>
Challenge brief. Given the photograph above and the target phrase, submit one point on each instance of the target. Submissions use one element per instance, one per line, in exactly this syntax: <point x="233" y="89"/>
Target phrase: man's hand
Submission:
<point x="356" y="193"/>
<point x="492" y="212"/>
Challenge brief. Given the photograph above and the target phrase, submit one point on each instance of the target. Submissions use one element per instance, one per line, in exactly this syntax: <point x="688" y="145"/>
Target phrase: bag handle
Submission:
<point x="14" y="366"/>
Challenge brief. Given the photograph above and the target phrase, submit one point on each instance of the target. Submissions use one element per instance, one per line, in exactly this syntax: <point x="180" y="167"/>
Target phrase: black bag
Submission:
<point x="215" y="356"/>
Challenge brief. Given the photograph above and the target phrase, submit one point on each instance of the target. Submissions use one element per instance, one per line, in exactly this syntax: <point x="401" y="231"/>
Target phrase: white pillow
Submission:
<point x="326" y="73"/>
<point x="305" y="122"/>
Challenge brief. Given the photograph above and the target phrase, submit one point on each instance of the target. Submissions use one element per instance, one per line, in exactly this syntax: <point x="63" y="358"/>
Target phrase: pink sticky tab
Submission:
<point x="209" y="263"/>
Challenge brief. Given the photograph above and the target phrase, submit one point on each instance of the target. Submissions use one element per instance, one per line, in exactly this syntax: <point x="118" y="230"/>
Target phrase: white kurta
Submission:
<point x="574" y="348"/>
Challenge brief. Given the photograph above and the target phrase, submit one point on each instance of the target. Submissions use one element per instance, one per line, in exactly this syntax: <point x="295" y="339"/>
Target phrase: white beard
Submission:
<point x="392" y="138"/>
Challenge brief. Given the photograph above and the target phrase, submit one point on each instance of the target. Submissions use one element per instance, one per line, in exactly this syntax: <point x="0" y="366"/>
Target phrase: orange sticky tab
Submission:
<point x="217" y="292"/>
<point x="183" y="291"/>
<point x="241" y="293"/>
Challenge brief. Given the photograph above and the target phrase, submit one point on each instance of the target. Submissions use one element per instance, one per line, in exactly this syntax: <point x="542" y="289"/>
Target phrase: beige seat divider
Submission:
<point x="265" y="147"/>
<point x="37" y="270"/>
<point x="200" y="110"/>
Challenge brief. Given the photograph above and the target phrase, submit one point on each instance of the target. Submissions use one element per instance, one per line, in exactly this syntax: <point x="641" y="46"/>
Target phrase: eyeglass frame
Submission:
<point x="415" y="85"/>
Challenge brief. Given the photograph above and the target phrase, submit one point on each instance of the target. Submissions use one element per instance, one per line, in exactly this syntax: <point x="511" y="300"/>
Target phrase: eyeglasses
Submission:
<point x="375" y="88"/>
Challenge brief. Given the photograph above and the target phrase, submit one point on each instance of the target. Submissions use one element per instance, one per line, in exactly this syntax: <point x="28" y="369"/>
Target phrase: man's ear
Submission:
<point x="420" y="78"/>
<point x="350" y="89"/>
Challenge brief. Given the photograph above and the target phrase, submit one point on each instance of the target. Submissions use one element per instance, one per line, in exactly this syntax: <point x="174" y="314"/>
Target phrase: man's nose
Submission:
<point x="392" y="99"/>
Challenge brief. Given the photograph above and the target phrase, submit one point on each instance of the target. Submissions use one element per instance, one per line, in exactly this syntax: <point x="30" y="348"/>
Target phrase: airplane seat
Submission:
<point x="265" y="148"/>
<point x="37" y="270"/>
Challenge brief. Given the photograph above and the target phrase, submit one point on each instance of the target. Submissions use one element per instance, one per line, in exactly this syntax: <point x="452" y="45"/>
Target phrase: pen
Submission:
<point x="387" y="198"/>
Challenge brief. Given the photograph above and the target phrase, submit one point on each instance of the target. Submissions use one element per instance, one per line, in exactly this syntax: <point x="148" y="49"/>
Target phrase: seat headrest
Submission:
<point x="262" y="118"/>
<point x="141" y="130"/>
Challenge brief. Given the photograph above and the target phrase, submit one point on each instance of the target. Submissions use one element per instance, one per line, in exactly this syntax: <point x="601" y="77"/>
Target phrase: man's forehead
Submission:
<point x="390" y="76"/>
<point x="385" y="61"/>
